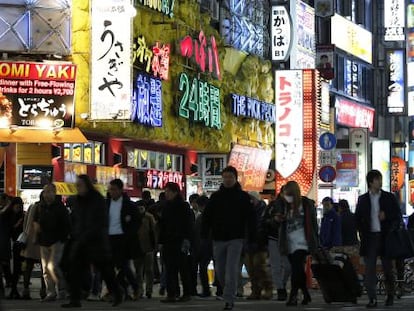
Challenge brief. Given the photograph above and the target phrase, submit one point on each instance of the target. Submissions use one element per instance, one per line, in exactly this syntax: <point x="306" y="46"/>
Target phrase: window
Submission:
<point x="88" y="153"/>
<point x="145" y="160"/>
<point x="36" y="26"/>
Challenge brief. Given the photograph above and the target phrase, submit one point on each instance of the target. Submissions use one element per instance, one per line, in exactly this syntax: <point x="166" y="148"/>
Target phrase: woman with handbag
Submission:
<point x="298" y="238"/>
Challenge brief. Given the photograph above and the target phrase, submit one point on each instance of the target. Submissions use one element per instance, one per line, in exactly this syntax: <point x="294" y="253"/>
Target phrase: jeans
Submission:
<point x="227" y="259"/>
<point x="374" y="246"/>
<point x="279" y="265"/>
<point x="52" y="273"/>
<point x="144" y="266"/>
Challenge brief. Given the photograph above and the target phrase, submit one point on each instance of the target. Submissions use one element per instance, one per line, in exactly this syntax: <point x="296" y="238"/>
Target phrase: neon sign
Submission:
<point x="165" y="7"/>
<point x="147" y="101"/>
<point x="159" y="179"/>
<point x="154" y="60"/>
<point x="204" y="53"/>
<point x="199" y="102"/>
<point x="253" y="108"/>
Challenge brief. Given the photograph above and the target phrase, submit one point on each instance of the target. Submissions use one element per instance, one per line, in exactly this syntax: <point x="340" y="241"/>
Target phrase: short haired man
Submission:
<point x="331" y="229"/>
<point x="377" y="212"/>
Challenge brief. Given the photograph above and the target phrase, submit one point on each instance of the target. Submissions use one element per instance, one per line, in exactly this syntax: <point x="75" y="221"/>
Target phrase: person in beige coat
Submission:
<point x="147" y="242"/>
<point x="31" y="252"/>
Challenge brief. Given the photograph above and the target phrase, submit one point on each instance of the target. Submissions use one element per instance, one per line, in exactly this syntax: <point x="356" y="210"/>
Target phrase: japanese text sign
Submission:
<point x="147" y="101"/>
<point x="154" y="60"/>
<point x="396" y="82"/>
<point x="38" y="95"/>
<point x="253" y="108"/>
<point x="281" y="33"/>
<point x="165" y="7"/>
<point x="289" y="121"/>
<point x="351" y="38"/>
<point x="111" y="59"/>
<point x="199" y="102"/>
<point x="252" y="165"/>
<point x="203" y="51"/>
<point x="398" y="171"/>
<point x="303" y="53"/>
<point x="394" y="20"/>
<point x="351" y="114"/>
<point x="159" y="179"/>
<point x="347" y="169"/>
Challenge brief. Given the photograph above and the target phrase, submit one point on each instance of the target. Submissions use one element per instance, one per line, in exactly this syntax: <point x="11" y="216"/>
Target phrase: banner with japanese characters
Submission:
<point x="37" y="95"/>
<point x="111" y="60"/>
<point x="252" y="165"/>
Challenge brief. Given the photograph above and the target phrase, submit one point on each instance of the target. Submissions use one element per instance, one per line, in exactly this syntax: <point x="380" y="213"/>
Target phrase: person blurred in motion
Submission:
<point x="51" y="221"/>
<point x="348" y="224"/>
<point x="377" y="213"/>
<point x="147" y="200"/>
<point x="176" y="233"/>
<point x="123" y="228"/>
<point x="17" y="228"/>
<point x="147" y="241"/>
<point x="256" y="254"/>
<point x="89" y="242"/>
<point x="226" y="217"/>
<point x="195" y="247"/>
<point x="330" y="233"/>
<point x="298" y="237"/>
<point x="279" y="263"/>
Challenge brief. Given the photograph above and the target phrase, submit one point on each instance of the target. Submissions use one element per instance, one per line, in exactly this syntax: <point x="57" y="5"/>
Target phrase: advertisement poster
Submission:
<point x="212" y="167"/>
<point x="325" y="61"/>
<point x="347" y="169"/>
<point x="104" y="174"/>
<point x="37" y="95"/>
<point x="252" y="165"/>
<point x="111" y="59"/>
<point x="396" y="82"/>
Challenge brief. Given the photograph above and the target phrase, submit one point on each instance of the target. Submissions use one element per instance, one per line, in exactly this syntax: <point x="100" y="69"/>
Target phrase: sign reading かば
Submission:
<point x="38" y="95"/>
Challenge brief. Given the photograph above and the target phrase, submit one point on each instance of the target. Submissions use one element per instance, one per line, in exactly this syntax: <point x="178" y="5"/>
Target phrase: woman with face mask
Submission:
<point x="298" y="238"/>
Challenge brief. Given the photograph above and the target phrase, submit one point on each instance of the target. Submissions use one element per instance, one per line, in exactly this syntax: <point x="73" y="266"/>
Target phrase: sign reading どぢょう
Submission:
<point x="38" y="95"/>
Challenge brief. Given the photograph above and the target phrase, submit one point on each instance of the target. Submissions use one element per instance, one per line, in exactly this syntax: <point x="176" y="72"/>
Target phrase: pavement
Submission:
<point x="199" y="304"/>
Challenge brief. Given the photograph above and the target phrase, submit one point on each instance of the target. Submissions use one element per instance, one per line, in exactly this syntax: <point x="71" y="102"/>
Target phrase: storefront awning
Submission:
<point x="22" y="135"/>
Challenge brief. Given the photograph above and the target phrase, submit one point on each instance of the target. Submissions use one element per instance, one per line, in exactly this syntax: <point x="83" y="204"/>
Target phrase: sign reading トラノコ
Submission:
<point x="159" y="179"/>
<point x="147" y="101"/>
<point x="111" y="59"/>
<point x="289" y="121"/>
<point x="252" y="165"/>
<point x="281" y="33"/>
<point x="38" y="95"/>
<point x="154" y="60"/>
<point x="199" y="101"/>
<point x="203" y="51"/>
<point x="253" y="108"/>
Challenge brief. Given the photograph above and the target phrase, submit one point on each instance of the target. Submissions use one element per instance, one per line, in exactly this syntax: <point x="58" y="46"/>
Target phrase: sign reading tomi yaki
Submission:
<point x="37" y="95"/>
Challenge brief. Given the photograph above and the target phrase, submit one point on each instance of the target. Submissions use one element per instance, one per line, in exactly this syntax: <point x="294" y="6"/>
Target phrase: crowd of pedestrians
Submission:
<point x="97" y="248"/>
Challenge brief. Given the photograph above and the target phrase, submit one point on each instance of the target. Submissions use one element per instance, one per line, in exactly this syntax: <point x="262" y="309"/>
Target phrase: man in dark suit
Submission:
<point x="377" y="212"/>
<point x="123" y="228"/>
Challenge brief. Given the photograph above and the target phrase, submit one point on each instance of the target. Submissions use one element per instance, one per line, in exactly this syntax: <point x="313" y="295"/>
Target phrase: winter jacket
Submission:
<point x="259" y="243"/>
<point x="349" y="231"/>
<point x="331" y="232"/>
<point x="311" y="228"/>
<point x="147" y="235"/>
<point x="54" y="224"/>
<point x="271" y="226"/>
<point x="229" y="215"/>
<point x="32" y="248"/>
<point x="389" y="205"/>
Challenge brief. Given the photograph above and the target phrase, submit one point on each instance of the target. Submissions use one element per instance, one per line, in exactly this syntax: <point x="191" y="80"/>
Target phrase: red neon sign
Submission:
<point x="354" y="115"/>
<point x="205" y="55"/>
<point x="159" y="179"/>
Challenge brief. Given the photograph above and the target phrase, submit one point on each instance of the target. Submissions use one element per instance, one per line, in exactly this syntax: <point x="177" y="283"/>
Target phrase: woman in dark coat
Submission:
<point x="89" y="241"/>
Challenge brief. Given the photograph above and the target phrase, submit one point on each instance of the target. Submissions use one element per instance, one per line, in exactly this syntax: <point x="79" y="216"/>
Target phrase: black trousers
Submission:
<point x="298" y="277"/>
<point x="125" y="275"/>
<point x="374" y="247"/>
<point x="176" y="263"/>
<point x="80" y="262"/>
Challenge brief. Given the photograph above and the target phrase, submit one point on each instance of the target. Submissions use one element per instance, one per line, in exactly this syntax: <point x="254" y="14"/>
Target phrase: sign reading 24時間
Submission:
<point x="38" y="95"/>
<point x="111" y="59"/>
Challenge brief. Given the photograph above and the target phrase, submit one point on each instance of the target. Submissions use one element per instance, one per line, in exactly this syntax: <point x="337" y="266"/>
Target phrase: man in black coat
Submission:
<point x="377" y="213"/>
<point x="123" y="233"/>
<point x="229" y="215"/>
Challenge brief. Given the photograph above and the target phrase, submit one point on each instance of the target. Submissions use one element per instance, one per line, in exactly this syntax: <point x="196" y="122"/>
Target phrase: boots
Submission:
<point x="293" y="298"/>
<point x="306" y="297"/>
<point x="281" y="294"/>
